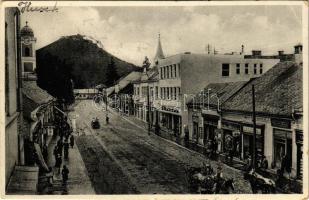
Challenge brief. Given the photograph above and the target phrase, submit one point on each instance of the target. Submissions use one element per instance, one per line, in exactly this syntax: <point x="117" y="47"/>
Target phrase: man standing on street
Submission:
<point x="65" y="175"/>
<point x="72" y="141"/>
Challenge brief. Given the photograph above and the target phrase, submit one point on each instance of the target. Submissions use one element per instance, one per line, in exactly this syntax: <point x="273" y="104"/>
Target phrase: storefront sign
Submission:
<point x="249" y="129"/>
<point x="230" y="125"/>
<point x="281" y="123"/>
<point x="169" y="109"/>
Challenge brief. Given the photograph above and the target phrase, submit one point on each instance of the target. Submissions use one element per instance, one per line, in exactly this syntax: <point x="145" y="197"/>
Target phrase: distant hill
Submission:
<point x="84" y="60"/>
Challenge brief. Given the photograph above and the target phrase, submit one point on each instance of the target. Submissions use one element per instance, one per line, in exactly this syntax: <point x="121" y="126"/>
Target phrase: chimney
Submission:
<point x="281" y="53"/>
<point x="298" y="49"/>
<point x="256" y="53"/>
<point x="242" y="49"/>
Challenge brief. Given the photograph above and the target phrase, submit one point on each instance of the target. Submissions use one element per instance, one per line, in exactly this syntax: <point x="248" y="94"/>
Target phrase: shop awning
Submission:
<point x="41" y="160"/>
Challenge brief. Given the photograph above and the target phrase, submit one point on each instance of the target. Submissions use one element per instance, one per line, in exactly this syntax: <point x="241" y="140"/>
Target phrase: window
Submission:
<point x="237" y="68"/>
<point x="164" y="74"/>
<point x="225" y="69"/>
<point x="175" y="72"/>
<point x="167" y="72"/>
<point x="246" y="68"/>
<point x="27" y="50"/>
<point x="161" y="73"/>
<point x="28" y="67"/>
<point x="179" y="92"/>
<point x="255" y="70"/>
<point x="261" y="68"/>
<point x="157" y="92"/>
<point x="175" y="91"/>
<point x="168" y="93"/>
<point x="171" y="70"/>
<point x="161" y="93"/>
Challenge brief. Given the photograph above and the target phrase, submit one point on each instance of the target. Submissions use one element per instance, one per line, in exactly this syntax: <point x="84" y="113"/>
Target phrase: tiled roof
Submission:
<point x="221" y="90"/>
<point x="277" y="92"/>
<point x="35" y="93"/>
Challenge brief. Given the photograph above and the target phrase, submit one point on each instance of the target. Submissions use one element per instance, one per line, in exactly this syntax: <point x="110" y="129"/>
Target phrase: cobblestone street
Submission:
<point x="124" y="155"/>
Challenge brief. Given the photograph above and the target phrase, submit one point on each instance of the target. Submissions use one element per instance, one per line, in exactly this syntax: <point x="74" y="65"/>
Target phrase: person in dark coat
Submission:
<point x="66" y="149"/>
<point x="72" y="141"/>
<point x="58" y="161"/>
<point x="65" y="174"/>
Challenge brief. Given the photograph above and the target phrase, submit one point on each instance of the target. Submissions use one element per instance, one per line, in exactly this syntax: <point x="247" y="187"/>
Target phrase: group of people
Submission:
<point x="61" y="149"/>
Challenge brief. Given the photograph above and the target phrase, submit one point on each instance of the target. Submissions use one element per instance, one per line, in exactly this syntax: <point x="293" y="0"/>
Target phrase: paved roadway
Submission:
<point x="122" y="158"/>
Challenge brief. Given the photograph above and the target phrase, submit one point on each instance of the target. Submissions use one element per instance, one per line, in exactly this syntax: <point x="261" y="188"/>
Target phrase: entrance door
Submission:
<point x="300" y="161"/>
<point x="195" y="132"/>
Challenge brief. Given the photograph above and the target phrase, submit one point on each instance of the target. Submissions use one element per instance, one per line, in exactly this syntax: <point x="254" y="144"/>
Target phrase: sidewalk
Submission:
<point x="79" y="182"/>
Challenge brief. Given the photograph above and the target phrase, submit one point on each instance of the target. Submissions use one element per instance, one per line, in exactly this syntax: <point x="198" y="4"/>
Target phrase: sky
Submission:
<point x="131" y="33"/>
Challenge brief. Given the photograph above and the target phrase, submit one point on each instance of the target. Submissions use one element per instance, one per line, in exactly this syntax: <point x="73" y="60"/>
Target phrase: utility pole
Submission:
<point x="254" y="129"/>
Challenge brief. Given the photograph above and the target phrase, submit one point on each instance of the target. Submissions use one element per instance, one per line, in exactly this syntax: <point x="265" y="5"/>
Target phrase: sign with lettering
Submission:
<point x="249" y="129"/>
<point x="281" y="123"/>
<point x="169" y="109"/>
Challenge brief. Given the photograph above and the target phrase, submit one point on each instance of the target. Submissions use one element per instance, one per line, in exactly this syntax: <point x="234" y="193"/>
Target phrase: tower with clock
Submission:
<point x="28" y="56"/>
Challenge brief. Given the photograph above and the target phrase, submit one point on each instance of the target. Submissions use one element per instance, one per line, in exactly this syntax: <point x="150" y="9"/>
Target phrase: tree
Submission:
<point x="111" y="73"/>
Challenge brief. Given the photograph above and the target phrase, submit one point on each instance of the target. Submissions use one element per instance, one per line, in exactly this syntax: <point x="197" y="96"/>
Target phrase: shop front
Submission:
<point x="231" y="138"/>
<point x="282" y="143"/>
<point x="170" y="120"/>
<point x="247" y="138"/>
<point x="210" y="125"/>
<point x="299" y="143"/>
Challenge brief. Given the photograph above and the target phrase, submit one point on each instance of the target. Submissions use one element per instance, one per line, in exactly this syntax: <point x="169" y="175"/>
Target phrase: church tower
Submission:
<point x="28" y="57"/>
<point x="159" y="54"/>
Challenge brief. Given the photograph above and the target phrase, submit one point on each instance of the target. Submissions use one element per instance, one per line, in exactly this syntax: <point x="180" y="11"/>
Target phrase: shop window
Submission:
<point x="282" y="147"/>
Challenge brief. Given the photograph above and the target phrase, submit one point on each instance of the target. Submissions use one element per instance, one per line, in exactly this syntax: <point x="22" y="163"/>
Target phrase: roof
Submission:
<point x="277" y="92"/>
<point x="151" y="75"/>
<point x="35" y="93"/>
<point x="159" y="52"/>
<point x="221" y="90"/>
<point x="26" y="31"/>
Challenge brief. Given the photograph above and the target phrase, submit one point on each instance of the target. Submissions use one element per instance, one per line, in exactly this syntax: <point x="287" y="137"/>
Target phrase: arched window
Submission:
<point x="27" y="51"/>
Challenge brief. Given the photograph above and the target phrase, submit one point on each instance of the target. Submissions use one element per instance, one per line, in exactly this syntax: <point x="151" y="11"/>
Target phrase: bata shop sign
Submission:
<point x="249" y="129"/>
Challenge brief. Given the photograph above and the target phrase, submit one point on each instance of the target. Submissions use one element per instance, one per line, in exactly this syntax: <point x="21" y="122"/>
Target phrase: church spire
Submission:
<point x="159" y="53"/>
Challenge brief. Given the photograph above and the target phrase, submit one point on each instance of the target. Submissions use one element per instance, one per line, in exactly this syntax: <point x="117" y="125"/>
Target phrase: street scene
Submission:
<point x="154" y="100"/>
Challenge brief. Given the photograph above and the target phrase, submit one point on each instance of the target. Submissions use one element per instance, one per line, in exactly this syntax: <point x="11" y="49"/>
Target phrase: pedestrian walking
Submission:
<point x="107" y="119"/>
<point x="72" y="141"/>
<point x="58" y="161"/>
<point x="66" y="149"/>
<point x="65" y="175"/>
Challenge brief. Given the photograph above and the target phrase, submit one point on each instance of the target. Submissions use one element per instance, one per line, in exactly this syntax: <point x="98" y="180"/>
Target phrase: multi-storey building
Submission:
<point x="182" y="75"/>
<point x="13" y="145"/>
